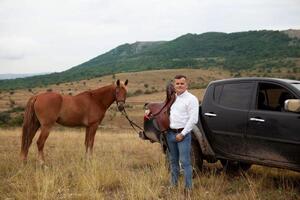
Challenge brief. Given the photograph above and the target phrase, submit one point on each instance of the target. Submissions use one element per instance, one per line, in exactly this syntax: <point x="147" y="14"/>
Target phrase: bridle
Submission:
<point x="116" y="97"/>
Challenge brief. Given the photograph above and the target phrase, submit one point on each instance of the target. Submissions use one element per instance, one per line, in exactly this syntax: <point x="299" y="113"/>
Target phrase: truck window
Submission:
<point x="271" y="97"/>
<point x="217" y="92"/>
<point x="236" y="95"/>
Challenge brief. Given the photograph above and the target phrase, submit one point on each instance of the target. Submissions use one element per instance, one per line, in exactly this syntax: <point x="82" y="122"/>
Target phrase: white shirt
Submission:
<point x="184" y="112"/>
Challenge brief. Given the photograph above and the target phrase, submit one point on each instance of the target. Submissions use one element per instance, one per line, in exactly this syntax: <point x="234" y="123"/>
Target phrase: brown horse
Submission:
<point x="85" y="109"/>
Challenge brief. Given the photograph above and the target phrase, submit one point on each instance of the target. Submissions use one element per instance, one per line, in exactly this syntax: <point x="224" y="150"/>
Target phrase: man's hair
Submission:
<point x="179" y="76"/>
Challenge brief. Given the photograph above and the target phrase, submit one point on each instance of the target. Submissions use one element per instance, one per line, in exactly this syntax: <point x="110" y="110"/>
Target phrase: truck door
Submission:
<point x="273" y="134"/>
<point x="225" y="111"/>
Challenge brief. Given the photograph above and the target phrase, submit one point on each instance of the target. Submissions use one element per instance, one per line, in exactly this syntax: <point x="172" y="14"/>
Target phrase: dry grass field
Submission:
<point x="123" y="167"/>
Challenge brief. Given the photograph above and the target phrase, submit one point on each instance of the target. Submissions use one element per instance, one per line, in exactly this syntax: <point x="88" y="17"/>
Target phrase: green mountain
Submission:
<point x="233" y="51"/>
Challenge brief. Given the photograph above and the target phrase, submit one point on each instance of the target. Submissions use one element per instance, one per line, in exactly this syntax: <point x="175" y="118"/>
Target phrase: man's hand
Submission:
<point x="179" y="137"/>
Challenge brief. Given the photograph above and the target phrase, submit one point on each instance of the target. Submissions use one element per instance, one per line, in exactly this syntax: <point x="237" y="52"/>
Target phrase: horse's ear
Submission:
<point x="126" y="82"/>
<point x="118" y="82"/>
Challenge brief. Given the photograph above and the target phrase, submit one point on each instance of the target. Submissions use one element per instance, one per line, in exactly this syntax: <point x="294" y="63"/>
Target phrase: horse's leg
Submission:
<point x="47" y="108"/>
<point x="45" y="130"/>
<point x="92" y="133"/>
<point x="86" y="142"/>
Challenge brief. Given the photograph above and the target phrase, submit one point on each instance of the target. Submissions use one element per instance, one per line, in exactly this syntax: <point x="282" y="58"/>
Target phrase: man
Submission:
<point x="183" y="115"/>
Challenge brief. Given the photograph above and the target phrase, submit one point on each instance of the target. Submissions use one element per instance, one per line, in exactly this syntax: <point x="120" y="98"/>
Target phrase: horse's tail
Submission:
<point x="30" y="125"/>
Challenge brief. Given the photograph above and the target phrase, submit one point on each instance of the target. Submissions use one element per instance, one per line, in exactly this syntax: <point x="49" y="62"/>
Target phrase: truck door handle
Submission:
<point x="257" y="119"/>
<point x="210" y="114"/>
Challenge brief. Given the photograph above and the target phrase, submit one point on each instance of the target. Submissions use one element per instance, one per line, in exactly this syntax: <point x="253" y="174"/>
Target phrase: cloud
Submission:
<point x="56" y="35"/>
<point x="15" y="48"/>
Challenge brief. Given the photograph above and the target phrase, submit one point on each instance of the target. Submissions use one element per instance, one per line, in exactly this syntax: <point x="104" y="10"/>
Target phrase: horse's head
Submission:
<point x="121" y="91"/>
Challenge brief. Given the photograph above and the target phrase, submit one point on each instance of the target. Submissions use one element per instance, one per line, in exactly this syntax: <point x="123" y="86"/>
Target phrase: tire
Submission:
<point x="165" y="150"/>
<point x="167" y="160"/>
<point x="196" y="157"/>
<point x="245" y="166"/>
<point x="235" y="166"/>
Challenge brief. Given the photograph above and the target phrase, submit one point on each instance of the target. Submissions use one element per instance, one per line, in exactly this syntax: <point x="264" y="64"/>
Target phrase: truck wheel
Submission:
<point x="234" y="166"/>
<point x="165" y="150"/>
<point x="196" y="157"/>
<point x="245" y="166"/>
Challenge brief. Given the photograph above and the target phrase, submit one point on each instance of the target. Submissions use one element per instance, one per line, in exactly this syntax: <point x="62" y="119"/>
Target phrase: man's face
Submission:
<point x="180" y="85"/>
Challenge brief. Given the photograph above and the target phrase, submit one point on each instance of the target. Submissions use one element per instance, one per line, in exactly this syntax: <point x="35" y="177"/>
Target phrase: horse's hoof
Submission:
<point x="43" y="165"/>
<point x="24" y="162"/>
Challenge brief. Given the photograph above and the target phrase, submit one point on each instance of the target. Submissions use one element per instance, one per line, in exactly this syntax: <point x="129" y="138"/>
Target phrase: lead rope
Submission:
<point x="141" y="133"/>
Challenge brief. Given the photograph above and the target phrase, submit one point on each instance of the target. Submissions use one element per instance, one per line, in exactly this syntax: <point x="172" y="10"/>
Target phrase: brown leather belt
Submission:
<point x="179" y="130"/>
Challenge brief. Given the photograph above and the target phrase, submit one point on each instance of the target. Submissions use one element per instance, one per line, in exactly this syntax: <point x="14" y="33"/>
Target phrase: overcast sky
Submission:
<point x="54" y="35"/>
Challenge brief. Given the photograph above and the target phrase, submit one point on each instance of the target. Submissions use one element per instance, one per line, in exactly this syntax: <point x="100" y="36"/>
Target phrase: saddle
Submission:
<point x="160" y="112"/>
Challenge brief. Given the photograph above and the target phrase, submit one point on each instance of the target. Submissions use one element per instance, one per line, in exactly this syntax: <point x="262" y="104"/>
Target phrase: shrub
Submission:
<point x="238" y="74"/>
<point x="138" y="92"/>
<point x="16" y="121"/>
<point x="4" y="118"/>
<point x="11" y="102"/>
<point x="16" y="109"/>
<point x="150" y="91"/>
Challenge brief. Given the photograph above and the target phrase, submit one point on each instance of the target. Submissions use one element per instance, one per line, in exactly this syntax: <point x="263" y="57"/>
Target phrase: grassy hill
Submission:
<point x="145" y="86"/>
<point x="234" y="51"/>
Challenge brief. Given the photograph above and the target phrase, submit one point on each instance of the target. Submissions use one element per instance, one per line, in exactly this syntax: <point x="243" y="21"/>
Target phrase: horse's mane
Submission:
<point x="97" y="90"/>
<point x="102" y="89"/>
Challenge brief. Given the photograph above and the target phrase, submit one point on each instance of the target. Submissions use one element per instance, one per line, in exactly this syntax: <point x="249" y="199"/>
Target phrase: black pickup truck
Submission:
<point x="245" y="121"/>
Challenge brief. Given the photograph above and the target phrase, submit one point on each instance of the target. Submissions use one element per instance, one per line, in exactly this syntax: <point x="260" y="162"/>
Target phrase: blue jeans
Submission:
<point x="180" y="151"/>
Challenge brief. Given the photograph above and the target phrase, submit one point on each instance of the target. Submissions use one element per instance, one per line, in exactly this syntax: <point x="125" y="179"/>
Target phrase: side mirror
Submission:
<point x="292" y="105"/>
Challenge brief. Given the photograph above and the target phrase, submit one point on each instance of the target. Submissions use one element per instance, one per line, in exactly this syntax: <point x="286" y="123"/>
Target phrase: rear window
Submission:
<point x="296" y="85"/>
<point x="272" y="97"/>
<point x="237" y="95"/>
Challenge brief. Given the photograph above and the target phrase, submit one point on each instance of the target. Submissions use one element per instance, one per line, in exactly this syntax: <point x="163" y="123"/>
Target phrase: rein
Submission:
<point x="154" y="115"/>
<point x="165" y="105"/>
<point x="141" y="133"/>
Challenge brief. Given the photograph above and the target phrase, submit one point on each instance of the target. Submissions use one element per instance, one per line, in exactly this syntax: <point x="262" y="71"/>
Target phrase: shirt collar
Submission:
<point x="183" y="94"/>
